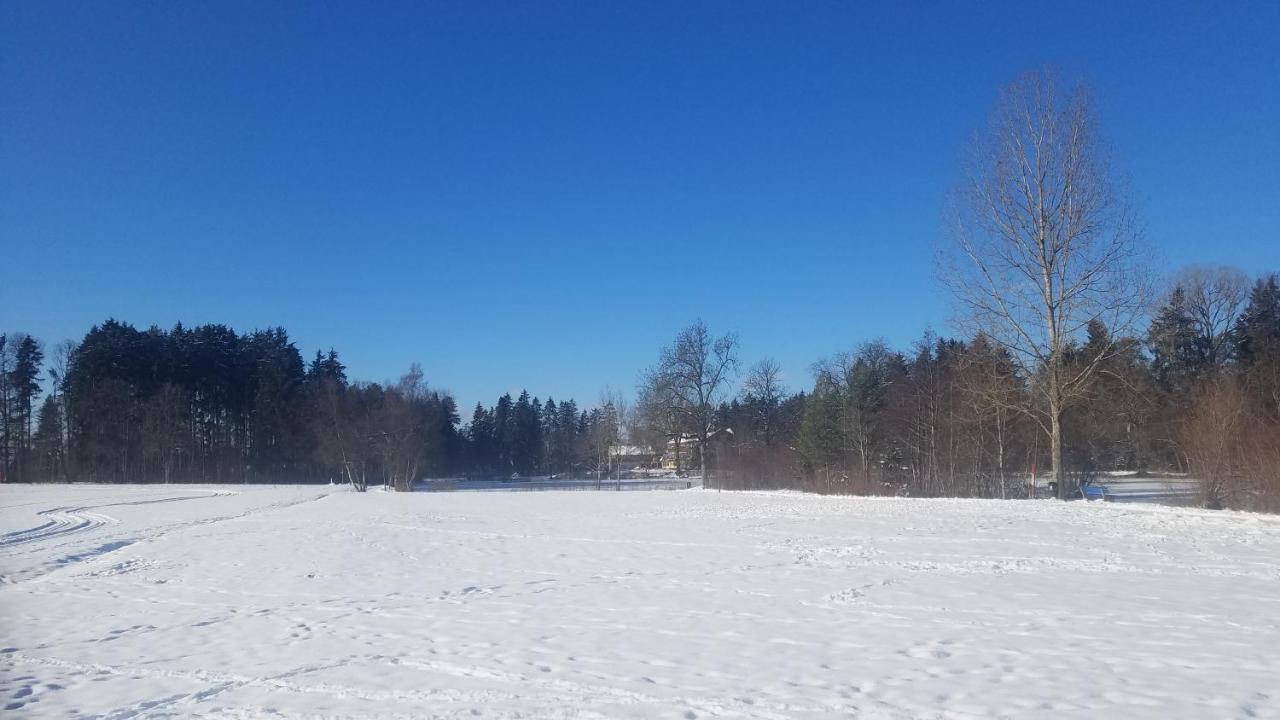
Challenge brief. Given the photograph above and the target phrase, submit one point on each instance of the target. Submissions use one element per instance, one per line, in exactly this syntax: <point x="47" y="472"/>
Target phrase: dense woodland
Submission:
<point x="1198" y="393"/>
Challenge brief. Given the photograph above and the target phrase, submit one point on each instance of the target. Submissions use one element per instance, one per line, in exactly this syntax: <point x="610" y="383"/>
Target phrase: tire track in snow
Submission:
<point x="59" y="521"/>
<point x="62" y="521"/>
<point x="85" y="521"/>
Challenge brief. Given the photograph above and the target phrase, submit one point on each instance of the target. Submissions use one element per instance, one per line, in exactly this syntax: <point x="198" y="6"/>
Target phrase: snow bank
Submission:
<point x="317" y="602"/>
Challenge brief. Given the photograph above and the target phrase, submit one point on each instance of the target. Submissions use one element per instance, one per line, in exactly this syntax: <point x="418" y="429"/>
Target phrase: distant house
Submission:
<point x="684" y="448"/>
<point x="681" y="452"/>
<point x="626" y="457"/>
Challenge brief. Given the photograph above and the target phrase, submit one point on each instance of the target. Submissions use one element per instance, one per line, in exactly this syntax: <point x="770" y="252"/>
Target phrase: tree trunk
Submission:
<point x="1000" y="452"/>
<point x="1055" y="444"/>
<point x="702" y="459"/>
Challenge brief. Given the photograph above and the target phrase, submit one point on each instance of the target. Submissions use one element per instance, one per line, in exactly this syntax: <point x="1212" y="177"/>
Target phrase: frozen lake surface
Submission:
<point x="176" y="601"/>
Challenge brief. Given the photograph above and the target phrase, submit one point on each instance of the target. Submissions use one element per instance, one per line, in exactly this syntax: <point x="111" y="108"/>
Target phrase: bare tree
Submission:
<point x="994" y="391"/>
<point x="659" y="417"/>
<point x="344" y="424"/>
<point x="1212" y="439"/>
<point x="604" y="435"/>
<point x="1215" y="295"/>
<point x="619" y="420"/>
<point x="766" y="391"/>
<point x="402" y="431"/>
<point x="1045" y="243"/>
<point x="694" y="374"/>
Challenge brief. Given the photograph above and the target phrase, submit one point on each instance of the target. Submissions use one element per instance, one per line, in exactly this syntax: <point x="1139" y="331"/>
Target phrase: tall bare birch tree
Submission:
<point x="1044" y="243"/>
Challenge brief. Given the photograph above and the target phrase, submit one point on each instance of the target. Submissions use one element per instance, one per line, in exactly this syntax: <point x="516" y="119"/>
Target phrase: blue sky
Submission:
<point x="541" y="194"/>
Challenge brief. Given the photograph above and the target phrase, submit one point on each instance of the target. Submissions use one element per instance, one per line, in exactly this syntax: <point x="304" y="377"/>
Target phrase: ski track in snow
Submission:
<point x="162" y="601"/>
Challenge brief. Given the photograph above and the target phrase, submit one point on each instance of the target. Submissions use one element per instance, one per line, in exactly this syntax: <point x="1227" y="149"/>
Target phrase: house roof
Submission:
<point x="630" y="450"/>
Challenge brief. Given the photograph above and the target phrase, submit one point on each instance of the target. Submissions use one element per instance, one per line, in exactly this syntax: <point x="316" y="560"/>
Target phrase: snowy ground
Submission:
<point x="158" y="601"/>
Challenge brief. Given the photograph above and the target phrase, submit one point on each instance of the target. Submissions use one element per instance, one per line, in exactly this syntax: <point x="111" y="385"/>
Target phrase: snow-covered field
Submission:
<point x="157" y="601"/>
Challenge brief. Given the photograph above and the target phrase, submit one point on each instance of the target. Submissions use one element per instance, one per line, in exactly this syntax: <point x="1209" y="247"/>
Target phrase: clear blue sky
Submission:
<point x="540" y="194"/>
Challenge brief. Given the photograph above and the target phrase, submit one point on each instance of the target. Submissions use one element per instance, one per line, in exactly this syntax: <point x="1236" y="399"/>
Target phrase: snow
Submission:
<point x="174" y="601"/>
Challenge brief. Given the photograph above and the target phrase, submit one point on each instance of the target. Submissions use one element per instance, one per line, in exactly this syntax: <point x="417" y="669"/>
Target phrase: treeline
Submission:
<point x="1198" y="393"/>
<point x="206" y="404"/>
<point x="526" y="437"/>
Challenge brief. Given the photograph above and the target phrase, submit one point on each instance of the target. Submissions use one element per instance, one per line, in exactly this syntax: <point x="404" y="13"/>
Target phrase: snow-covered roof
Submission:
<point x="630" y="450"/>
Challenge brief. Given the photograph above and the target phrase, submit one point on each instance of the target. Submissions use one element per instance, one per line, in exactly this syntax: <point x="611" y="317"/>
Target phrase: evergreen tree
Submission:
<point x="277" y="376"/>
<point x="550" y="436"/>
<point x="567" y="433"/>
<point x="453" y="442"/>
<point x="24" y="384"/>
<point x="538" y="441"/>
<point x="1258" y="344"/>
<point x="526" y="435"/>
<point x="1111" y="429"/>
<point x="1258" y="329"/>
<point x="504" y="428"/>
<point x="6" y="401"/>
<point x="1172" y="341"/>
<point x="48" y="439"/>
<point x="483" y="439"/>
<point x="820" y="439"/>
<point x="327" y="367"/>
<point x="866" y="386"/>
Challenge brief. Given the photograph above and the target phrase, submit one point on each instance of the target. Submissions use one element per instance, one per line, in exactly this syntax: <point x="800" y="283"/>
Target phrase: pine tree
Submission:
<point x="276" y="421"/>
<point x="327" y="367"/>
<point x="453" y="443"/>
<point x="481" y="432"/>
<point x="526" y="436"/>
<point x="24" y="383"/>
<point x="1172" y="341"/>
<point x="820" y="439"/>
<point x="866" y="386"/>
<point x="538" y="441"/>
<point x="6" y="401"/>
<point x="504" y="434"/>
<point x="1258" y="329"/>
<point x="567" y="436"/>
<point x="48" y="438"/>
<point x="1258" y="343"/>
<point x="550" y="437"/>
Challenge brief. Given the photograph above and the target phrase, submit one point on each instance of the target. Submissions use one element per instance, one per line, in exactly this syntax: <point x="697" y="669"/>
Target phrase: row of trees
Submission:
<point x="1198" y="393"/>
<point x="206" y="404"/>
<point x="527" y="437"/>
<point x="963" y="418"/>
